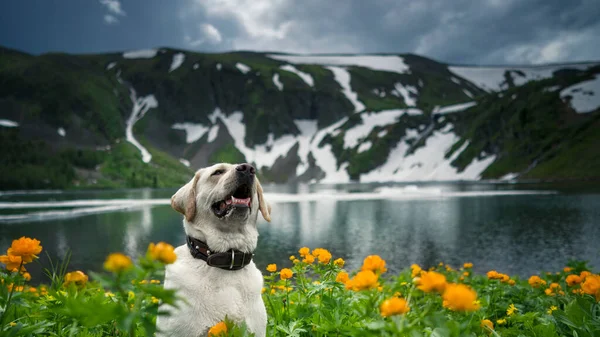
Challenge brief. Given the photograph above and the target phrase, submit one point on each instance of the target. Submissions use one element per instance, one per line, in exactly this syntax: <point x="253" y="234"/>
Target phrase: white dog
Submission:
<point x="214" y="273"/>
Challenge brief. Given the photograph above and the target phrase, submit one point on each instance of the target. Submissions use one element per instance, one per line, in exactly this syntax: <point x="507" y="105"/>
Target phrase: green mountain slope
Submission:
<point x="329" y="118"/>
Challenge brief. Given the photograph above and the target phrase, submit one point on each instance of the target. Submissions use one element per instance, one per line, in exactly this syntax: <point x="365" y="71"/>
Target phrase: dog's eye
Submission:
<point x="218" y="172"/>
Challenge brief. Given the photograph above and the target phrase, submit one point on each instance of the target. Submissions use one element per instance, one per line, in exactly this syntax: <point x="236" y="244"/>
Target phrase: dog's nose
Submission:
<point x="246" y="168"/>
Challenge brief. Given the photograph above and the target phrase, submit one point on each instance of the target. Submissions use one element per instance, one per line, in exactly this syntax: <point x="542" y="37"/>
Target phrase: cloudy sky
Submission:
<point x="454" y="31"/>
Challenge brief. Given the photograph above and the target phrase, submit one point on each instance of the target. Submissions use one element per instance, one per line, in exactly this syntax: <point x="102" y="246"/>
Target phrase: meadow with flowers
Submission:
<point x="312" y="296"/>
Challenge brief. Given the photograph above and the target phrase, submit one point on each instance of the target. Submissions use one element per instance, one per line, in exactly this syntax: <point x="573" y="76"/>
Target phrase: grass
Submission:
<point x="313" y="296"/>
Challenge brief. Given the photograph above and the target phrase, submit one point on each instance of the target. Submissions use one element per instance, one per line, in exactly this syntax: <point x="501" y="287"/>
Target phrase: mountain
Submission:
<point x="149" y="117"/>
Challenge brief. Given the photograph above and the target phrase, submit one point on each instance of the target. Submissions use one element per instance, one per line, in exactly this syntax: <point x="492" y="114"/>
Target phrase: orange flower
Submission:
<point x="567" y="269"/>
<point x="323" y="255"/>
<point x="339" y="262"/>
<point x="591" y="286"/>
<point x="12" y="262"/>
<point x="486" y="323"/>
<point x="12" y="287"/>
<point x="365" y="279"/>
<point x="218" y="329"/>
<point x="459" y="297"/>
<point x="432" y="281"/>
<point x="415" y="270"/>
<point x="512" y="282"/>
<point x="308" y="259"/>
<point x="374" y="263"/>
<point x="535" y="281"/>
<point x="584" y="274"/>
<point x="26" y="248"/>
<point x="26" y="276"/>
<point x="494" y="275"/>
<point x="469" y="265"/>
<point x="272" y="268"/>
<point x="77" y="278"/>
<point x="117" y="262"/>
<point x="394" y="306"/>
<point x="286" y="273"/>
<point x="162" y="252"/>
<point x="304" y="251"/>
<point x="342" y="277"/>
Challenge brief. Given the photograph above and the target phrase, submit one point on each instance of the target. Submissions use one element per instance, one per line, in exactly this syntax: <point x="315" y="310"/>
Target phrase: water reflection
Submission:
<point x="515" y="234"/>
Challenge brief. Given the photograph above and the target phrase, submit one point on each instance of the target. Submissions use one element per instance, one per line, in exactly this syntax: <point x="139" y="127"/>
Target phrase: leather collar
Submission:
<point x="232" y="259"/>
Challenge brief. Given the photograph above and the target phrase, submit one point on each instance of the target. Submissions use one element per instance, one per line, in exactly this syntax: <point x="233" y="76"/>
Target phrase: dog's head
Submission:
<point x="223" y="197"/>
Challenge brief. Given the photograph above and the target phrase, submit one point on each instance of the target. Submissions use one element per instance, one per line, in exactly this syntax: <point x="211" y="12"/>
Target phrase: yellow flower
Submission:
<point x="12" y="324"/>
<point x="272" y="268"/>
<point x="591" y="286"/>
<point x="567" y="269"/>
<point x="552" y="308"/>
<point x="394" y="306"/>
<point x="374" y="263"/>
<point x="304" y="251"/>
<point x="109" y="294"/>
<point x="573" y="280"/>
<point x="77" y="278"/>
<point x="342" y="277"/>
<point x="460" y="297"/>
<point x="262" y="291"/>
<point x="466" y="274"/>
<point x="415" y="270"/>
<point x="26" y="248"/>
<point x="501" y="321"/>
<point x="339" y="262"/>
<point x="154" y="281"/>
<point x="292" y="257"/>
<point x="511" y="310"/>
<point x="12" y="262"/>
<point x="154" y="300"/>
<point x="486" y="323"/>
<point x="296" y="261"/>
<point x="432" y="281"/>
<point x="469" y="265"/>
<point x="365" y="279"/>
<point x="286" y="273"/>
<point x="218" y="329"/>
<point x="12" y="287"/>
<point x="26" y="276"/>
<point x="308" y="259"/>
<point x="117" y="262"/>
<point x="535" y="281"/>
<point x="162" y="252"/>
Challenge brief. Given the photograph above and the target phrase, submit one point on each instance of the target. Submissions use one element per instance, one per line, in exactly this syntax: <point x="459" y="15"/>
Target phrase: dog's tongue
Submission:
<point x="236" y="201"/>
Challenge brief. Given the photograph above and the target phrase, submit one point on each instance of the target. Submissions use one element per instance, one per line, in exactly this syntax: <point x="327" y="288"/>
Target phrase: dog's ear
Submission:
<point x="184" y="200"/>
<point x="263" y="205"/>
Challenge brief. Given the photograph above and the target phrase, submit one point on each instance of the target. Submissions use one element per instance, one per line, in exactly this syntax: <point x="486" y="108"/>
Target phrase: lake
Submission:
<point x="519" y="229"/>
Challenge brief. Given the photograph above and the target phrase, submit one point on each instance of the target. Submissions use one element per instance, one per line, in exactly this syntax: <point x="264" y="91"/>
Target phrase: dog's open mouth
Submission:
<point x="241" y="198"/>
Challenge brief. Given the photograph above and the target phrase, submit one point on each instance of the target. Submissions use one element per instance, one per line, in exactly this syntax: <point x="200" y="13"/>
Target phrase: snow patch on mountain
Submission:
<point x="242" y="68"/>
<point x="141" y="105"/>
<point x="140" y="54"/>
<point x="405" y="92"/>
<point x="185" y="162"/>
<point x="453" y="108"/>
<point x="8" y="123"/>
<point x="389" y="63"/>
<point x="277" y="82"/>
<point x="342" y="76"/>
<point x="111" y="65"/>
<point x="307" y="78"/>
<point x="307" y="128"/>
<point x="492" y="78"/>
<point x="427" y="163"/>
<point x="468" y="93"/>
<point x="585" y="96"/>
<point x="212" y="134"/>
<point x="193" y="131"/>
<point x="324" y="156"/>
<point x="366" y="146"/>
<point x="370" y="120"/>
<point x="61" y="132"/>
<point x="219" y="66"/>
<point x="177" y="61"/>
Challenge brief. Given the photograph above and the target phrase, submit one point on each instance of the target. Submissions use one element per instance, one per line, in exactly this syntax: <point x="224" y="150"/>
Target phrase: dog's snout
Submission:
<point x="245" y="169"/>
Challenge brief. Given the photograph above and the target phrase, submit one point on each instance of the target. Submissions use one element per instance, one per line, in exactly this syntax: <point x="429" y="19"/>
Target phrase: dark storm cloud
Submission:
<point x="455" y="31"/>
<point x="461" y="31"/>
